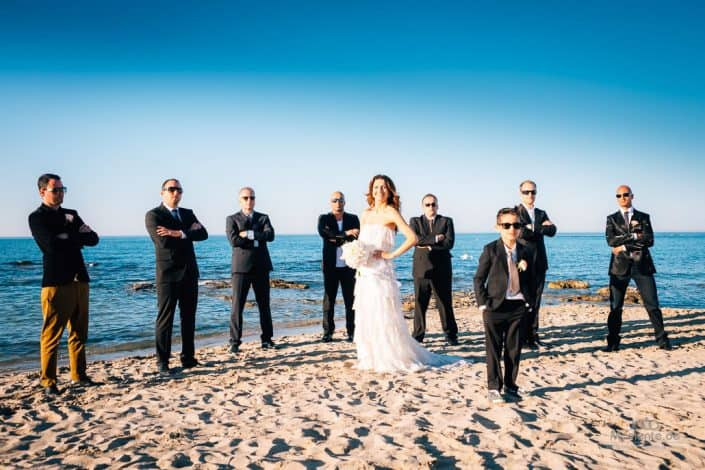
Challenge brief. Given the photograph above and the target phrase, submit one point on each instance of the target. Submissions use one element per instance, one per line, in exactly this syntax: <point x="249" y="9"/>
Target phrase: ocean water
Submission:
<point x="123" y="319"/>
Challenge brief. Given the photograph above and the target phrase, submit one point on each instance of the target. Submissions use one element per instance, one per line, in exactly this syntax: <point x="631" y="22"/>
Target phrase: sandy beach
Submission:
<point x="306" y="406"/>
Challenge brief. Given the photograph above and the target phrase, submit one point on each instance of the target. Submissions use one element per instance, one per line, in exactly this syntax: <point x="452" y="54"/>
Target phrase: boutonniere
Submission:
<point x="69" y="218"/>
<point x="522" y="265"/>
<point x="634" y="223"/>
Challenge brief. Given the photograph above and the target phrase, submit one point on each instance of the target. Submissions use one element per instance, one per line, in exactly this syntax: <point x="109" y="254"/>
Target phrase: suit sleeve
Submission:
<point x="480" y="279"/>
<point x="415" y="224"/>
<point x="647" y="234"/>
<point x="327" y="233"/>
<point x="546" y="230"/>
<point x="197" y="235"/>
<point x="151" y="223"/>
<point x="83" y="239"/>
<point x="355" y="225"/>
<point x="449" y="237"/>
<point x="614" y="238"/>
<point x="45" y="238"/>
<point x="232" y="231"/>
<point x="266" y="234"/>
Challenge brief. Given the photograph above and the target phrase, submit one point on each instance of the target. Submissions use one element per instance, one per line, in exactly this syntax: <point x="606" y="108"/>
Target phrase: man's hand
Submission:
<point x="84" y="229"/>
<point x="195" y="226"/>
<point x="165" y="232"/>
<point x="243" y="233"/>
<point x="546" y="223"/>
<point x="618" y="249"/>
<point x="353" y="232"/>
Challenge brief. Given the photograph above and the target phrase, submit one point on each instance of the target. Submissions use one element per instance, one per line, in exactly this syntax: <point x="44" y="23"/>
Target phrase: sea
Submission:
<point x="122" y="318"/>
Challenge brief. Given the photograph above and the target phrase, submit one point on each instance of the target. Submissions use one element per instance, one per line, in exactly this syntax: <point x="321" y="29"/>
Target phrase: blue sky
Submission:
<point x="298" y="99"/>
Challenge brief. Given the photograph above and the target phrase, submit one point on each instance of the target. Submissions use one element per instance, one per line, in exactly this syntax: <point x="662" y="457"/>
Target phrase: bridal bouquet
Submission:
<point x="356" y="253"/>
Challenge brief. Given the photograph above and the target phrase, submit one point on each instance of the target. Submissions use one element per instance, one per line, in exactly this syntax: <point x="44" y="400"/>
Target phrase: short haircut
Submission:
<point x="167" y="180"/>
<point x="506" y="211"/>
<point x="43" y="181"/>
<point x="526" y="182"/>
<point x="429" y="195"/>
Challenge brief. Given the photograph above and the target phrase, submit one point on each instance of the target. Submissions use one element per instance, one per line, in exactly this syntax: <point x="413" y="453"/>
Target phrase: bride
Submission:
<point x="381" y="335"/>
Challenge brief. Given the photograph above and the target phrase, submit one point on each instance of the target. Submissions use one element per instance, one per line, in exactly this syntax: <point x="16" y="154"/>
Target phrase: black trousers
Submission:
<point x="647" y="288"/>
<point x="503" y="335"/>
<point x="531" y="331"/>
<point x="241" y="286"/>
<point x="345" y="277"/>
<point x="441" y="285"/>
<point x="169" y="294"/>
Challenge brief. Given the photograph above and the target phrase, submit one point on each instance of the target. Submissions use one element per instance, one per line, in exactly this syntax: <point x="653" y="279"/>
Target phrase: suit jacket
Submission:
<point x="534" y="238"/>
<point x="332" y="237"/>
<point x="246" y="256"/>
<point x="492" y="274"/>
<point x="637" y="254"/>
<point x="62" y="258"/>
<point x="438" y="258"/>
<point x="175" y="256"/>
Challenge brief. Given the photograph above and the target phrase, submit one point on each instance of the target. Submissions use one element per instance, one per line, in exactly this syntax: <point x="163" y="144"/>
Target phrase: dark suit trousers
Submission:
<point x="441" y="284"/>
<point x="185" y="293"/>
<point x="345" y="277"/>
<point x="241" y="286"/>
<point x="532" y="318"/>
<point x="647" y="288"/>
<point x="503" y="332"/>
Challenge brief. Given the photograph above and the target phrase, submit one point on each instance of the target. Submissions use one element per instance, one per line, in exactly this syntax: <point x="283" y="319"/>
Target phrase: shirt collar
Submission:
<point x="170" y="209"/>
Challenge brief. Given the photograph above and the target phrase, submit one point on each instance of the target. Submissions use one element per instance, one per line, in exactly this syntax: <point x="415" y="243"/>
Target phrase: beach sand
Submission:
<point x="306" y="406"/>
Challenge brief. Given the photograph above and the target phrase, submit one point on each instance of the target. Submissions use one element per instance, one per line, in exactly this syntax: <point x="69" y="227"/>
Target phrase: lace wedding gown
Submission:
<point x="381" y="335"/>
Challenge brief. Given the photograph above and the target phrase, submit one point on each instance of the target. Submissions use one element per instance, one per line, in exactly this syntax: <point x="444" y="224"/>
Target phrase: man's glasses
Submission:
<point x="507" y="225"/>
<point x="529" y="191"/>
<point x="338" y="199"/>
<point x="430" y="204"/>
<point x="174" y="189"/>
<point x="247" y="198"/>
<point x="620" y="196"/>
<point x="62" y="189"/>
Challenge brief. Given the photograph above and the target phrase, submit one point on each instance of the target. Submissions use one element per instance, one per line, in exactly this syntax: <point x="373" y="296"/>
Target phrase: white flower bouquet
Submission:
<point x="356" y="253"/>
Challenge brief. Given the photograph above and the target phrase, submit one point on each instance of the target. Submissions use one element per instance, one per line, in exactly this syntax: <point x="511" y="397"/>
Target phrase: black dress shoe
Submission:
<point x="611" y="348"/>
<point x="84" y="381"/>
<point x="541" y="343"/>
<point x="452" y="341"/>
<point x="51" y="391"/>
<point x="189" y="363"/>
<point x="531" y="344"/>
<point x="269" y="345"/>
<point x="234" y="349"/>
<point x="350" y="339"/>
<point x="326" y="339"/>
<point x="163" y="369"/>
<point x="665" y="345"/>
<point x="512" y="394"/>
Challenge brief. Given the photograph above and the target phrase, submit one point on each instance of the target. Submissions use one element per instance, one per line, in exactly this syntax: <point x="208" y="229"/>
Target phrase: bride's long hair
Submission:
<point x="393" y="198"/>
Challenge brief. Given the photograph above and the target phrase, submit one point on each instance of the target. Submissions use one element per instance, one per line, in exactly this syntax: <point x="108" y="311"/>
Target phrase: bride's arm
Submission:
<point x="409" y="234"/>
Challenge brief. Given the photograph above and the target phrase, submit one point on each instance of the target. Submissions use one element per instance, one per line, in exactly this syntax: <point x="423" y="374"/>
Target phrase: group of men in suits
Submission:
<point x="508" y="283"/>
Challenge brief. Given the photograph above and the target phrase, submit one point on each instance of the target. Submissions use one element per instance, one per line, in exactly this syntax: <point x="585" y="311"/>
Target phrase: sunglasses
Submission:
<point x="247" y="198"/>
<point x="62" y="189"/>
<point x="620" y="196"/>
<point x="529" y="191"/>
<point x="174" y="189"/>
<point x="507" y="225"/>
<point x="430" y="204"/>
<point x="338" y="199"/>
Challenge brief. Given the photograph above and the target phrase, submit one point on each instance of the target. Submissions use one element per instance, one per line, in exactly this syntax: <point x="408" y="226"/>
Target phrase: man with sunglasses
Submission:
<point x="505" y="293"/>
<point x="249" y="232"/>
<point x="432" y="269"/>
<point x="173" y="230"/>
<point x="630" y="235"/>
<point x="336" y="228"/>
<point x="535" y="225"/>
<point x="61" y="235"/>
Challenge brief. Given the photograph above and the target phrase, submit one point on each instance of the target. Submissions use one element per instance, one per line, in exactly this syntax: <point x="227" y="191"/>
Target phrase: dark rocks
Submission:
<point x="568" y="284"/>
<point x="142" y="285"/>
<point x="461" y="299"/>
<point x="603" y="295"/>
<point x="282" y="284"/>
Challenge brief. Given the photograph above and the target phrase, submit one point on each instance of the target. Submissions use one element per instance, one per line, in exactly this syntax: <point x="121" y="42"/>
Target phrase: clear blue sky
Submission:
<point x="298" y="99"/>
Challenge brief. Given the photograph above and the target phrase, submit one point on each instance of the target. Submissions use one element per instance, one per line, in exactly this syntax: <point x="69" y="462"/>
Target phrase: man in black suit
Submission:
<point x="535" y="225"/>
<point x="173" y="230"/>
<point x="630" y="235"/>
<point x="504" y="291"/>
<point x="336" y="228"/>
<point x="248" y="232"/>
<point x="61" y="235"/>
<point x="432" y="268"/>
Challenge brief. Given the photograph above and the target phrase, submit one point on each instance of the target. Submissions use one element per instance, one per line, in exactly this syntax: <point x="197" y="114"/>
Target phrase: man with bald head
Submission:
<point x="335" y="228"/>
<point x="630" y="235"/>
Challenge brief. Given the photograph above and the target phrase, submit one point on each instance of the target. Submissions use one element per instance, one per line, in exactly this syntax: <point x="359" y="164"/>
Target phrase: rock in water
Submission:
<point x="568" y="284"/>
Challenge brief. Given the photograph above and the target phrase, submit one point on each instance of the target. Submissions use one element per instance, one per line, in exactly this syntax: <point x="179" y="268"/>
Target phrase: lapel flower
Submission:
<point x="522" y="265"/>
<point x="69" y="218"/>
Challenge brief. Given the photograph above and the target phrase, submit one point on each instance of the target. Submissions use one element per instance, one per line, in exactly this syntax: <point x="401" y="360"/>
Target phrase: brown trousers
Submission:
<point x="62" y="305"/>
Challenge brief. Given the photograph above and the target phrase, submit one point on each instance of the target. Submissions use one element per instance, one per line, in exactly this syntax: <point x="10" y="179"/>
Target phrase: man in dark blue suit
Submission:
<point x="173" y="230"/>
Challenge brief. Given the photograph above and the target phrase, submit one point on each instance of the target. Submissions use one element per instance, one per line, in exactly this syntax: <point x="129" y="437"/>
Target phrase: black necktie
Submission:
<point x="626" y="219"/>
<point x="175" y="213"/>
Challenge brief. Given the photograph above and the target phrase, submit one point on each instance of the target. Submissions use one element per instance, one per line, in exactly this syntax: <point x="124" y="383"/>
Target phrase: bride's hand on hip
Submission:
<point x="386" y="255"/>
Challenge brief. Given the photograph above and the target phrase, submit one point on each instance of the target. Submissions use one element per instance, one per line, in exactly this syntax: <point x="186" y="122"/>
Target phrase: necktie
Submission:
<point x="175" y="213"/>
<point x="430" y="226"/>
<point x="513" y="275"/>
<point x="626" y="218"/>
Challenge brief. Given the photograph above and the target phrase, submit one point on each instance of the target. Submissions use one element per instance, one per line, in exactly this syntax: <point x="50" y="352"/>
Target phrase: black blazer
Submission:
<point x="175" y="256"/>
<point x="332" y="237"/>
<point x="246" y="257"/>
<point x="438" y="258"/>
<point x="534" y="238"/>
<point x="492" y="274"/>
<point x="62" y="258"/>
<point x="637" y="254"/>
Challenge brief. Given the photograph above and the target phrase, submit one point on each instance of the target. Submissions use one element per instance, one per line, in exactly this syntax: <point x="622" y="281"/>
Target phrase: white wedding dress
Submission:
<point x="382" y="338"/>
